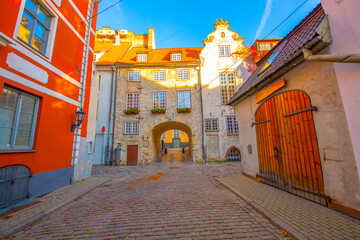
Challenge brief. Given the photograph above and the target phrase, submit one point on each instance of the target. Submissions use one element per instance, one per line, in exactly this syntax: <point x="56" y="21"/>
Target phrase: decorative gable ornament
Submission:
<point x="221" y="24"/>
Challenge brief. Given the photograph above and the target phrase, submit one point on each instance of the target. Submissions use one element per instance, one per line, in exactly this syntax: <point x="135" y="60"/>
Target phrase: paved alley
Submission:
<point x="164" y="201"/>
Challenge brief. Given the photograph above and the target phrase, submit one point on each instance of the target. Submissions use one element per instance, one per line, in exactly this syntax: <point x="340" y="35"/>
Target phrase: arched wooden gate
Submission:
<point x="287" y="146"/>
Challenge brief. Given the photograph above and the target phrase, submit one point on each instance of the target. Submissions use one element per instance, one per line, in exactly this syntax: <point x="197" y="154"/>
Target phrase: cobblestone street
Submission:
<point x="162" y="201"/>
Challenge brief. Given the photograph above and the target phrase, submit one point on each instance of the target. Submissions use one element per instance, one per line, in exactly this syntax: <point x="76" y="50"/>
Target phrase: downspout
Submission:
<point x="349" y="58"/>
<point x="83" y="78"/>
<point x="108" y="150"/>
<point x="114" y="117"/>
<point x="202" y="116"/>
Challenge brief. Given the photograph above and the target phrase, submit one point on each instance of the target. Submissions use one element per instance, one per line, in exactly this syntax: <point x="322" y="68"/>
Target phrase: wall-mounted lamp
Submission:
<point x="79" y="118"/>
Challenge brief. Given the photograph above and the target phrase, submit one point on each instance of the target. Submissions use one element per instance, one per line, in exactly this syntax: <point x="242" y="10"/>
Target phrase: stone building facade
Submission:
<point x="222" y="72"/>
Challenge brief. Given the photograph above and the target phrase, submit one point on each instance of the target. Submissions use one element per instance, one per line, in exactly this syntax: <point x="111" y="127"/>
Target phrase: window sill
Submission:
<point x="17" y="151"/>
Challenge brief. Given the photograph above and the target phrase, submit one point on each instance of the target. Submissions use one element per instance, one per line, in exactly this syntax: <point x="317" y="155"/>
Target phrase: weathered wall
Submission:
<point x="344" y="18"/>
<point x="319" y="81"/>
<point x="148" y="121"/>
<point x="217" y="143"/>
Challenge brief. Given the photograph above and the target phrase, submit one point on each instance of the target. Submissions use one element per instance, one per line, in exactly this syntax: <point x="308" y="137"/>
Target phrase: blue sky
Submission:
<point x="187" y="23"/>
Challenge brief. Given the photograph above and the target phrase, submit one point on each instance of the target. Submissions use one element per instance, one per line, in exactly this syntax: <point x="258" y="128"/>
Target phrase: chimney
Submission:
<point x="117" y="40"/>
<point x="151" y="39"/>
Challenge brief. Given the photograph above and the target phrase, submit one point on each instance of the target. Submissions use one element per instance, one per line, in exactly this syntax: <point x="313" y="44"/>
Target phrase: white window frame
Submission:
<point x="134" y="76"/>
<point x="134" y="101"/>
<point x="176" y="133"/>
<point x="227" y="83"/>
<point x="211" y="125"/>
<point x="157" y="99"/>
<point x="181" y="74"/>
<point x="163" y="135"/>
<point x="142" y="57"/>
<point x="15" y="128"/>
<point x="47" y="55"/>
<point x="232" y="125"/>
<point x="224" y="50"/>
<point x="176" y="57"/>
<point x="159" y="75"/>
<point x="131" y="127"/>
<point x="182" y="104"/>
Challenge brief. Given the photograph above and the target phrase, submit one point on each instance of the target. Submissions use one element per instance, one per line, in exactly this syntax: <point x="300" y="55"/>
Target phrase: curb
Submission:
<point x="39" y="216"/>
<point x="267" y="214"/>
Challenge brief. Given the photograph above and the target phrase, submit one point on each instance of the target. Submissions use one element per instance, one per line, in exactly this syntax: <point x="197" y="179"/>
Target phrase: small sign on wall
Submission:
<point x="269" y="90"/>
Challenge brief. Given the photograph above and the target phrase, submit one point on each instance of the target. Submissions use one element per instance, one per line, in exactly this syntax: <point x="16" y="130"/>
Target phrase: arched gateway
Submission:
<point x="159" y="129"/>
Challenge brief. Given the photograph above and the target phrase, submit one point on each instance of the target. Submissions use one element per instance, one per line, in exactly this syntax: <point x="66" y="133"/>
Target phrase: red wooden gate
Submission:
<point x="132" y="155"/>
<point x="287" y="146"/>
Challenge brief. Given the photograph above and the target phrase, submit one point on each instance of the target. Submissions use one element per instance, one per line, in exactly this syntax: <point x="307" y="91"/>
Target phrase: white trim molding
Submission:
<point x="16" y="78"/>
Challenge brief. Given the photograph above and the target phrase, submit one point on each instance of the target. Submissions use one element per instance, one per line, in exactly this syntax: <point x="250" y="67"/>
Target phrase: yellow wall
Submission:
<point x="169" y="136"/>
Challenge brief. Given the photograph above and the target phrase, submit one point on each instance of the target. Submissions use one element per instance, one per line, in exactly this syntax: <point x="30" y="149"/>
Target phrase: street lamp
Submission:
<point x="79" y="118"/>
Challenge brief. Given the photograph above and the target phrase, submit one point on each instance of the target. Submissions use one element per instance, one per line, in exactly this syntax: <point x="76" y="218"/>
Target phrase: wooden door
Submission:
<point x="132" y="155"/>
<point x="287" y="145"/>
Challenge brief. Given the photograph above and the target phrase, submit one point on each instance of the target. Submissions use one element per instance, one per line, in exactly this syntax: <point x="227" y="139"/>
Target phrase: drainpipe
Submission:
<point x="83" y="78"/>
<point x="349" y="58"/>
<point x="108" y="149"/>
<point x="114" y="116"/>
<point x="202" y="116"/>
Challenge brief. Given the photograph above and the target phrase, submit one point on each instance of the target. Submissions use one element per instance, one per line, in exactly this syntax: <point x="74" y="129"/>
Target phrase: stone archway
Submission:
<point x="158" y="130"/>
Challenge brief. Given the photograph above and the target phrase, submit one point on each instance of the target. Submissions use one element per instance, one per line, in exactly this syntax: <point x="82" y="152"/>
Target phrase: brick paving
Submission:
<point x="308" y="219"/>
<point x="179" y="201"/>
<point x="51" y="202"/>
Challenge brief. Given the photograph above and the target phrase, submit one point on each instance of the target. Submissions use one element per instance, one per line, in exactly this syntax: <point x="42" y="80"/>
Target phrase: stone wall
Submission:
<point x="152" y="125"/>
<point x="318" y="80"/>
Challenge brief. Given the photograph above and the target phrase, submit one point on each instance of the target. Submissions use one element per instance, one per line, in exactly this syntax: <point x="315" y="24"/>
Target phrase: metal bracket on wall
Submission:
<point x="302" y="111"/>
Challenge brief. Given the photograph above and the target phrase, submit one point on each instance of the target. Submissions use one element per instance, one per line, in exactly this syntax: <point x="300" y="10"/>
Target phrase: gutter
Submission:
<point x="114" y="117"/>
<point x="108" y="150"/>
<point x="202" y="116"/>
<point x="349" y="58"/>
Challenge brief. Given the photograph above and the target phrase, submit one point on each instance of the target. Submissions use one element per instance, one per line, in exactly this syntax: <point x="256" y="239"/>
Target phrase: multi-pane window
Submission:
<point x="134" y="76"/>
<point x="227" y="83"/>
<point x="176" y="133"/>
<point x="132" y="100"/>
<point x="265" y="46"/>
<point x="159" y="75"/>
<point x="232" y="126"/>
<point x="233" y="155"/>
<point x="35" y="26"/>
<point x="184" y="99"/>
<point x="163" y="135"/>
<point x="18" y="113"/>
<point x="224" y="51"/>
<point x="131" y="127"/>
<point x="183" y="74"/>
<point x="211" y="125"/>
<point x="142" y="57"/>
<point x="159" y="100"/>
<point x="175" y="57"/>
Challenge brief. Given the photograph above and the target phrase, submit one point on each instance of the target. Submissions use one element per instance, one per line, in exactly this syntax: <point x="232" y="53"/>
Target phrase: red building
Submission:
<point x="45" y="75"/>
<point x="264" y="45"/>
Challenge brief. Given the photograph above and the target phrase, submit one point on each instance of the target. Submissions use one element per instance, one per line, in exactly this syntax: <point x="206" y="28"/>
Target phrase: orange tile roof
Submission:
<point x="161" y="56"/>
<point x="99" y="46"/>
<point x="114" y="54"/>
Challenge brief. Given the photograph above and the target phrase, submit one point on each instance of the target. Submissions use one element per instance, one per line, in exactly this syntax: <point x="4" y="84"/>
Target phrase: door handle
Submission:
<point x="277" y="152"/>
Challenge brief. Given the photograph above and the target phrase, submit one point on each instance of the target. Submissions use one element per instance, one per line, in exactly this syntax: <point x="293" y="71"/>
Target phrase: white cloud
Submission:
<point x="264" y="18"/>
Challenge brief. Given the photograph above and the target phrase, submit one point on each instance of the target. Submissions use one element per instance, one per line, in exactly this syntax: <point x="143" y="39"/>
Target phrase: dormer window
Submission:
<point x="176" y="57"/>
<point x="142" y="58"/>
<point x="224" y="51"/>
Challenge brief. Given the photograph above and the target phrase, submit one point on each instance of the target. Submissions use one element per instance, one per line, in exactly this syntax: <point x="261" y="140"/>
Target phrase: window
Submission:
<point x="163" y="135"/>
<point x="232" y="126"/>
<point x="159" y="75"/>
<point x="18" y="113"/>
<point x="175" y="57"/>
<point x="211" y="125"/>
<point x="265" y="46"/>
<point x="142" y="57"/>
<point x="132" y="127"/>
<point x="90" y="148"/>
<point x="159" y="100"/>
<point x="227" y="83"/>
<point x="233" y="155"/>
<point x="183" y="74"/>
<point x="134" y="76"/>
<point x="176" y="133"/>
<point x="35" y="26"/>
<point x="224" y="51"/>
<point x="132" y="100"/>
<point x="184" y="99"/>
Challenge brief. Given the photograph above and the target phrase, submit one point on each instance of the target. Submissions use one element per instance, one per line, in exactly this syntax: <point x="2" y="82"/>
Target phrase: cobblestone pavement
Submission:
<point x="178" y="201"/>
